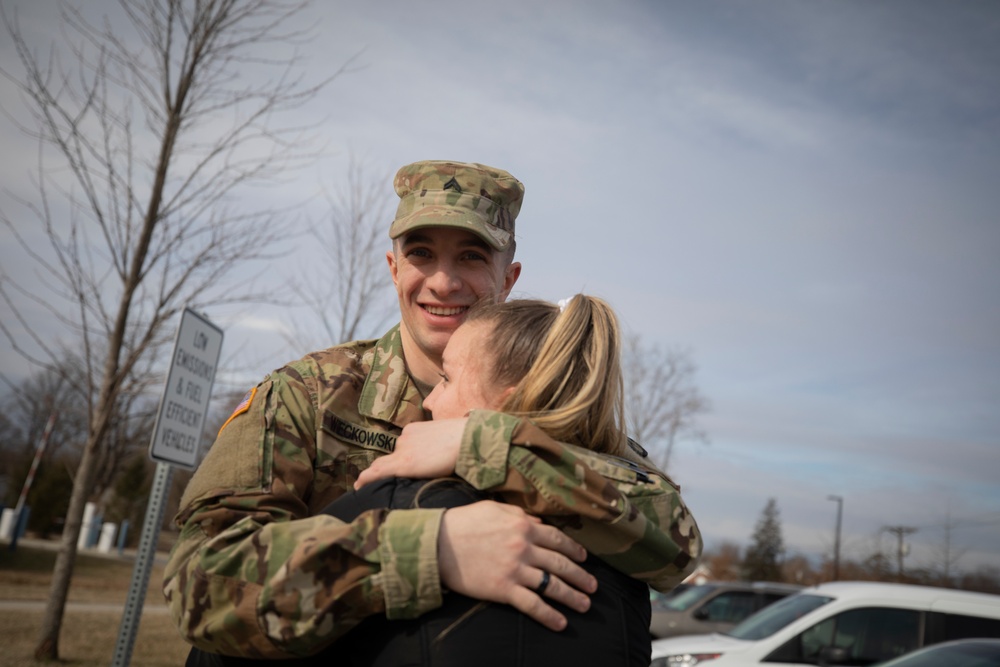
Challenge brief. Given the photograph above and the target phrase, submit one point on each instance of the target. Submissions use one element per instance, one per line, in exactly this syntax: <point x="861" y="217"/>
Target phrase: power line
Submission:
<point x="988" y="519"/>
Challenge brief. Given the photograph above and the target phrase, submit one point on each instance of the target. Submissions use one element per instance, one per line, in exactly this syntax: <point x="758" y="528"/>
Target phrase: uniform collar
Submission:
<point x="389" y="393"/>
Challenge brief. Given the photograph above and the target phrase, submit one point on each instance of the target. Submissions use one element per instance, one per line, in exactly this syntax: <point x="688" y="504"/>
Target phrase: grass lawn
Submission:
<point x="87" y="638"/>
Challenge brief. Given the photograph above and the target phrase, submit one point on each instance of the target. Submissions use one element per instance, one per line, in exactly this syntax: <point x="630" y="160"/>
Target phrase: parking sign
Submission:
<point x="181" y="418"/>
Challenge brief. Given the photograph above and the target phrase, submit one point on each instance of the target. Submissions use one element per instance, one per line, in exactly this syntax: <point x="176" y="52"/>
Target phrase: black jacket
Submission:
<point x="463" y="631"/>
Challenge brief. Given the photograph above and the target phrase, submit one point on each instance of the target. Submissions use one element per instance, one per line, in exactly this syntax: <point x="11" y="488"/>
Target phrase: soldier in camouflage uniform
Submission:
<point x="258" y="572"/>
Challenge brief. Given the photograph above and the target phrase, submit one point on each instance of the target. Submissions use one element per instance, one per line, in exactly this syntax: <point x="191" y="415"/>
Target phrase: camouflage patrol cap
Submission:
<point x="439" y="193"/>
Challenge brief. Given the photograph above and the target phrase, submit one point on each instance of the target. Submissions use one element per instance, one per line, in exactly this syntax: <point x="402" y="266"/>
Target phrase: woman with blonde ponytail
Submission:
<point x="553" y="373"/>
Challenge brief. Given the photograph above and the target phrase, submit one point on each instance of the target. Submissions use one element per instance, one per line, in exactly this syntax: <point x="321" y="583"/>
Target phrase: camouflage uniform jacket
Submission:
<point x="622" y="509"/>
<point x="258" y="572"/>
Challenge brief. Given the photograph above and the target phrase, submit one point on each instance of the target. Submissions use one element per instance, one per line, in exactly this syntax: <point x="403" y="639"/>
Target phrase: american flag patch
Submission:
<point x="241" y="408"/>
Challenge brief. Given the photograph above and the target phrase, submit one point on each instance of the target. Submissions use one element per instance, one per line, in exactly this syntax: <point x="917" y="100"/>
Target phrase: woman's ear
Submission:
<point x="503" y="394"/>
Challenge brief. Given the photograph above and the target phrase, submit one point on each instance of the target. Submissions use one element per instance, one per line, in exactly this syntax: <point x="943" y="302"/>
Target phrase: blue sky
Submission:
<point x="803" y="194"/>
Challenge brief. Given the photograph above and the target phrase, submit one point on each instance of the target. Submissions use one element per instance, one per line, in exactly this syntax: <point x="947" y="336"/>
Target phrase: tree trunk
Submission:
<point x="48" y="639"/>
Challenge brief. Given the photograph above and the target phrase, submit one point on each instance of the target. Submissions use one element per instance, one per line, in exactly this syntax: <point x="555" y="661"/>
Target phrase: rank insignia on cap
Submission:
<point x="474" y="197"/>
<point x="241" y="408"/>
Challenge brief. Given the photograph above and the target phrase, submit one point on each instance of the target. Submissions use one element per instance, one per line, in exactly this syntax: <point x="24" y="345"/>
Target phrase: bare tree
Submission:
<point x="354" y="297"/>
<point x="985" y="578"/>
<point x="945" y="556"/>
<point x="796" y="568"/>
<point x="28" y="405"/>
<point x="27" y="408"/>
<point x="129" y="431"/>
<point x="662" y="401"/>
<point x="724" y="562"/>
<point x="876" y="562"/>
<point x="59" y="389"/>
<point x="153" y="137"/>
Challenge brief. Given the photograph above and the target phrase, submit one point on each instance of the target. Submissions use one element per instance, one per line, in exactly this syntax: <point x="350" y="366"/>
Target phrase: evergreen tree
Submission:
<point x="763" y="558"/>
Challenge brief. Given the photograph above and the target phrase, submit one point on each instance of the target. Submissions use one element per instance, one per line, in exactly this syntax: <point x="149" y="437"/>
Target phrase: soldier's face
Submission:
<point x="465" y="383"/>
<point x="439" y="273"/>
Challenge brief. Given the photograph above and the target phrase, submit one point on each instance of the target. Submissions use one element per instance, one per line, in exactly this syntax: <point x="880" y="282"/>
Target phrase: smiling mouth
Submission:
<point x="443" y="311"/>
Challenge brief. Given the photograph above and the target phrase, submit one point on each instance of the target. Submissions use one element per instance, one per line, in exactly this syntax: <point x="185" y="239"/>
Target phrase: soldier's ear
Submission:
<point x="509" y="278"/>
<point x="390" y="257"/>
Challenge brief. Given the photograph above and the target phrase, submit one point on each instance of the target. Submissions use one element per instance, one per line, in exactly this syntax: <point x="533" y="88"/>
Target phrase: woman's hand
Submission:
<point x="424" y="450"/>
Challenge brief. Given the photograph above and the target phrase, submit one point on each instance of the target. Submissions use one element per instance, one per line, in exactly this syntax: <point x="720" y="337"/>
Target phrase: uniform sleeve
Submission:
<point x="252" y="574"/>
<point x="633" y="519"/>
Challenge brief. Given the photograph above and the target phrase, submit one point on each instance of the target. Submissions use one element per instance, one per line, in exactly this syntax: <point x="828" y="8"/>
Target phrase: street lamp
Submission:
<point x="836" y="536"/>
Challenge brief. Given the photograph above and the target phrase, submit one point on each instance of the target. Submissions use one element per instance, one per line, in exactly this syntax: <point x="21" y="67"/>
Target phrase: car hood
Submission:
<point x="699" y="644"/>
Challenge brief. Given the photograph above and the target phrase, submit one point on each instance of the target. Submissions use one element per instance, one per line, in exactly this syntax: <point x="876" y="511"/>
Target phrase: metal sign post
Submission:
<point x="176" y="438"/>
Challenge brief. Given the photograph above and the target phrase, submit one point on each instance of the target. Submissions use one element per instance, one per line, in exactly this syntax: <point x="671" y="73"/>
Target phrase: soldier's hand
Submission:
<point x="424" y="450"/>
<point x="497" y="552"/>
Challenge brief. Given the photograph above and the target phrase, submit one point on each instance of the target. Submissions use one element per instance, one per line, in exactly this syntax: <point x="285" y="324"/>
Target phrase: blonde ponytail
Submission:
<point x="565" y="367"/>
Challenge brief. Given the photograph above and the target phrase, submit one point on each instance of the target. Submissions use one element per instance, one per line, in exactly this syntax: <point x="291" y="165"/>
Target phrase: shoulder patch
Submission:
<point x="241" y="408"/>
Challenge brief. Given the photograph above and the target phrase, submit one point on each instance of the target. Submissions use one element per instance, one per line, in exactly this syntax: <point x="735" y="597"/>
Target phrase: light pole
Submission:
<point x="836" y="536"/>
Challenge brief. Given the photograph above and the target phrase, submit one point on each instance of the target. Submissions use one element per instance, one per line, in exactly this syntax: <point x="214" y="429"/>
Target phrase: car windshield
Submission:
<point x="772" y="618"/>
<point x="687" y="598"/>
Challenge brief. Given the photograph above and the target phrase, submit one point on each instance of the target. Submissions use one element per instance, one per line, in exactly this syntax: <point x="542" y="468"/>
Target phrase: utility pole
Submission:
<point x="900" y="532"/>
<point x="947" y="549"/>
<point x="19" y="518"/>
<point x="836" y="536"/>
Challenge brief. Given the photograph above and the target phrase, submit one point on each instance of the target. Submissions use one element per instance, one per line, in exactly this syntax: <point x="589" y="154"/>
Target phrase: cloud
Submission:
<point x="801" y="193"/>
